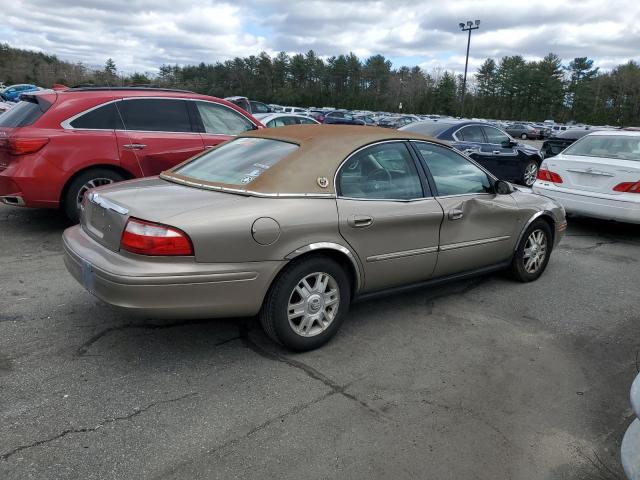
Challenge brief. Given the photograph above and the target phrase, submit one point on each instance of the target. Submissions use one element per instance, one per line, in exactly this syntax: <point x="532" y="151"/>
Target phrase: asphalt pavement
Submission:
<point x="480" y="379"/>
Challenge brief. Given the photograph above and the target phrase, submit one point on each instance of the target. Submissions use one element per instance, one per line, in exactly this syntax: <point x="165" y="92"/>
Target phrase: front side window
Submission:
<point x="385" y="171"/>
<point x="472" y="133"/>
<point x="105" y="117"/>
<point x="155" y="115"/>
<point x="452" y="173"/>
<point x="495" y="136"/>
<point x="607" y="146"/>
<point x="221" y="120"/>
<point x="238" y="162"/>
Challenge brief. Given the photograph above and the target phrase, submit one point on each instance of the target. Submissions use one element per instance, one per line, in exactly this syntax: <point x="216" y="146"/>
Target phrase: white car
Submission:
<point x="271" y="120"/>
<point x="597" y="176"/>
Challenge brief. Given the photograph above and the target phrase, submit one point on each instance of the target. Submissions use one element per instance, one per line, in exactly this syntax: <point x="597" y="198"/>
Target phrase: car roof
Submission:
<point x="322" y="150"/>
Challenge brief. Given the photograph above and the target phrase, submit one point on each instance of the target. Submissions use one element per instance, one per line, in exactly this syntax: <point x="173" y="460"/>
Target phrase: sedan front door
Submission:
<point x="388" y="215"/>
<point x="480" y="228"/>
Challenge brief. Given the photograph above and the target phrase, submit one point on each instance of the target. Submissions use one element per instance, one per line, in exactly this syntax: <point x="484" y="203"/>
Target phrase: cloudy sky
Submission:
<point x="142" y="34"/>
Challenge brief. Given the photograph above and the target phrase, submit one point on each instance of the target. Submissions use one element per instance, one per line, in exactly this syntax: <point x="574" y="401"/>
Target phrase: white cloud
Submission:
<point x="142" y="34"/>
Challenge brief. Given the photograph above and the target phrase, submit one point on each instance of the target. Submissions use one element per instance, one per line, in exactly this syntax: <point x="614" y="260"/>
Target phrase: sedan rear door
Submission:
<point x="158" y="134"/>
<point x="388" y="215"/>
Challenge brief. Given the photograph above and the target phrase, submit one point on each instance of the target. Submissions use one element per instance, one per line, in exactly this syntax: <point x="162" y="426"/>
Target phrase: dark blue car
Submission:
<point x="491" y="147"/>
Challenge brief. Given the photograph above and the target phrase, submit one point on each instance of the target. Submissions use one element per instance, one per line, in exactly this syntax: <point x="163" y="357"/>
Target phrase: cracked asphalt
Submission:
<point x="481" y="379"/>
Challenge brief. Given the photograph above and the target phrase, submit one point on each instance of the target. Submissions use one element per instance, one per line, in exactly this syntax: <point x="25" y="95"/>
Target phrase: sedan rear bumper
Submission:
<point x="591" y="205"/>
<point x="167" y="287"/>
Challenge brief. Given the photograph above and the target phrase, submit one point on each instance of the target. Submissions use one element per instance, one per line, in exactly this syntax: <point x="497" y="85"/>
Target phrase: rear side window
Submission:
<point x="238" y="162"/>
<point x="24" y="113"/>
<point x="155" y="115"/>
<point x="472" y="133"/>
<point x="105" y="117"/>
<point x="221" y="120"/>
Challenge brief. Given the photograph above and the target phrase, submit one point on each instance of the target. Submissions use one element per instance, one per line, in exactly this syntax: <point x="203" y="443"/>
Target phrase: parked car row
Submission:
<point x="12" y="93"/>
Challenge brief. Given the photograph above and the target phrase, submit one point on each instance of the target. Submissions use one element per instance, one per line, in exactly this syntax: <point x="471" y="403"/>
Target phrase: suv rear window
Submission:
<point x="238" y="162"/>
<point x="24" y="113"/>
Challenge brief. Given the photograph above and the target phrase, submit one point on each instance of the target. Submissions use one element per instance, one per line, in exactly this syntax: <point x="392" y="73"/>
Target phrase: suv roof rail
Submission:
<point x="89" y="88"/>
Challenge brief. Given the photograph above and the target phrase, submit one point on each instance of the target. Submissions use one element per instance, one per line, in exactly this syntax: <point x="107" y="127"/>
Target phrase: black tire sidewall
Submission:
<point x="282" y="292"/>
<point x="517" y="266"/>
<point x="69" y="200"/>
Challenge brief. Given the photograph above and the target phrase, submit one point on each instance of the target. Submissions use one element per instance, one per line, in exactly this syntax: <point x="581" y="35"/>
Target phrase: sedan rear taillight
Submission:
<point x="148" y="238"/>
<point x="628" y="187"/>
<point x="549" y="176"/>
<point x="22" y="145"/>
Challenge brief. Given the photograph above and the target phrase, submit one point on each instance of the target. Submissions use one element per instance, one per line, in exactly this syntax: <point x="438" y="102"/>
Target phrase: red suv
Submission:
<point x="56" y="145"/>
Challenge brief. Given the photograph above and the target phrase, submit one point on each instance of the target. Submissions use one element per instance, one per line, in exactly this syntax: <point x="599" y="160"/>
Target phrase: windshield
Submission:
<point x="238" y="162"/>
<point x="607" y="146"/>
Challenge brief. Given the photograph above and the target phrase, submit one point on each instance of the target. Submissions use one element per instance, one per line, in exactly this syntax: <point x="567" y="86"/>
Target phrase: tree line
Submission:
<point x="509" y="88"/>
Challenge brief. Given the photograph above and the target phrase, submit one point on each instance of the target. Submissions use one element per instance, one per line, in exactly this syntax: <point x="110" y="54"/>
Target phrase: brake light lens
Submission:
<point x="628" y="187"/>
<point x="148" y="238"/>
<point x="22" y="145"/>
<point x="549" y="176"/>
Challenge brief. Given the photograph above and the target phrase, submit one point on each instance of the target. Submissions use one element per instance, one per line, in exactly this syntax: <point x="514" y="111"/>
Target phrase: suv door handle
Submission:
<point x="360" y="221"/>
<point x="134" y="146"/>
<point x="496" y="152"/>
<point x="455" y="214"/>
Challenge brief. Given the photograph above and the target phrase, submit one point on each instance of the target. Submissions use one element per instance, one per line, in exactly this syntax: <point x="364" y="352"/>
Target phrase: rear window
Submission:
<point x="426" y="128"/>
<point x="238" y="162"/>
<point x="603" y="146"/>
<point x="24" y="113"/>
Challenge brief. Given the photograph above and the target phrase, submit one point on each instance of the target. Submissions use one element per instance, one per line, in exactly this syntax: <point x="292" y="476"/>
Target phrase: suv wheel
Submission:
<point x="306" y="304"/>
<point x="532" y="254"/>
<point x="92" y="178"/>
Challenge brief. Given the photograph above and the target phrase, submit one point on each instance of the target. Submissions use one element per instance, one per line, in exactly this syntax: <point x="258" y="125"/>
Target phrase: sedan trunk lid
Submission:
<point x="593" y="174"/>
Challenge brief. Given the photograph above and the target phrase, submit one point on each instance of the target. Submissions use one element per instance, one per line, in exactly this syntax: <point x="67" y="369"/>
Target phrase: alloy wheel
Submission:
<point x="530" y="174"/>
<point x="535" y="251"/>
<point x="313" y="304"/>
<point x="93" y="183"/>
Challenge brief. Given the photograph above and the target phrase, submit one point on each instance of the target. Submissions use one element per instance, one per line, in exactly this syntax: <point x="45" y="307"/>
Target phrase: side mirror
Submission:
<point x="508" y="144"/>
<point x="502" y="188"/>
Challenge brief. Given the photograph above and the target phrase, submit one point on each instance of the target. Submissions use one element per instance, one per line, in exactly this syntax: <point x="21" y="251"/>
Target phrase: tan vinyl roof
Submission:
<point x="322" y="150"/>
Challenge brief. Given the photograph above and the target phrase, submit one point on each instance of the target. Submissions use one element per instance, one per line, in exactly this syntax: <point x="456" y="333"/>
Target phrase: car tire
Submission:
<point x="94" y="177"/>
<point x="304" y="323"/>
<point x="523" y="136"/>
<point x="533" y="252"/>
<point x="529" y="173"/>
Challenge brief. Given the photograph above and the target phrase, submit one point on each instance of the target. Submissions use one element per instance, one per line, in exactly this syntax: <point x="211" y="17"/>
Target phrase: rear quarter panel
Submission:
<point x="225" y="235"/>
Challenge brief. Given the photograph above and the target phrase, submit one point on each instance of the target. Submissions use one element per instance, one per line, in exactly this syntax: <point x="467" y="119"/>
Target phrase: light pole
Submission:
<point x="467" y="28"/>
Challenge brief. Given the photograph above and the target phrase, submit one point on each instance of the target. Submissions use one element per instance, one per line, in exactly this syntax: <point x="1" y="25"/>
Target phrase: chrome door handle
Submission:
<point x="360" y="221"/>
<point x="134" y="146"/>
<point x="496" y="152"/>
<point x="455" y="214"/>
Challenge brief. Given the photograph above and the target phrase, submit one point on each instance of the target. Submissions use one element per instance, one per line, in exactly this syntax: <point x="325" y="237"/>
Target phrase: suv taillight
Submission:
<point x="628" y="187"/>
<point x="148" y="238"/>
<point x="549" y="176"/>
<point x="22" y="145"/>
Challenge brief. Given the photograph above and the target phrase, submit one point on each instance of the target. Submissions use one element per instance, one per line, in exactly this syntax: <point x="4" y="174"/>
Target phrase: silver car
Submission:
<point x="293" y="224"/>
